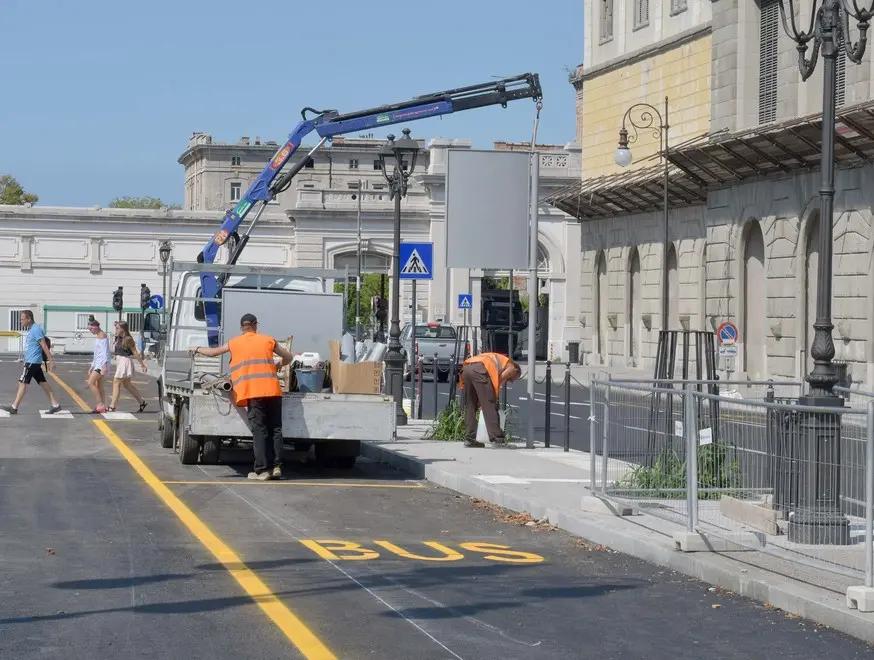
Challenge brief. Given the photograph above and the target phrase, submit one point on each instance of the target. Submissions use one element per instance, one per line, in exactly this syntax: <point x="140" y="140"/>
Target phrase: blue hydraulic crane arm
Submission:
<point x="327" y="124"/>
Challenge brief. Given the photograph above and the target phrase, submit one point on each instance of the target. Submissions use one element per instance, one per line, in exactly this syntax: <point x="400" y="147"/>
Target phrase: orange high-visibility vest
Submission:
<point x="253" y="372"/>
<point x="494" y="364"/>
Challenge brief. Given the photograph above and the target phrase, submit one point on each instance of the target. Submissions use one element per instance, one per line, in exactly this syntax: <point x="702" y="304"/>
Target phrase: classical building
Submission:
<point x="64" y="263"/>
<point x="743" y="167"/>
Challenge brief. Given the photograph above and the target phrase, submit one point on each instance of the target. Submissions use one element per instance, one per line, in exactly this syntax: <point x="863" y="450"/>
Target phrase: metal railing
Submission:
<point x="762" y="474"/>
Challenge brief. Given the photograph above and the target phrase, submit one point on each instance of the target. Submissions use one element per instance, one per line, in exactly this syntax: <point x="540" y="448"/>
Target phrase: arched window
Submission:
<point x="601" y="298"/>
<point x="633" y="304"/>
<point x="754" y="302"/>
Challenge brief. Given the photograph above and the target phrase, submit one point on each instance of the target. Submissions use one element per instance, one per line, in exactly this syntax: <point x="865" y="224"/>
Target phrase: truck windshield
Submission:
<point x="430" y="332"/>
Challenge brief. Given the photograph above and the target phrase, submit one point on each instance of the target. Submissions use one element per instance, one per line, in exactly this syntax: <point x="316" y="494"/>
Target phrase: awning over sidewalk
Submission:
<point x="721" y="159"/>
<point x="779" y="148"/>
<point x="637" y="191"/>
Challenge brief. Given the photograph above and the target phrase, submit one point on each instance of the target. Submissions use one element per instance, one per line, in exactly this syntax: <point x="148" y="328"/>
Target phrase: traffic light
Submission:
<point x="117" y="300"/>
<point x="145" y="297"/>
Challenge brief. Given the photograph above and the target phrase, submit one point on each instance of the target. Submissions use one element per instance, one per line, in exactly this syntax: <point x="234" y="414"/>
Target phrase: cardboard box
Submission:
<point x="360" y="378"/>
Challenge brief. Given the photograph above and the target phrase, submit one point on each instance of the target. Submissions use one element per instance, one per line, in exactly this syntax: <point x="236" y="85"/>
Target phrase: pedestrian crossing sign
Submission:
<point x="416" y="261"/>
<point x="465" y="301"/>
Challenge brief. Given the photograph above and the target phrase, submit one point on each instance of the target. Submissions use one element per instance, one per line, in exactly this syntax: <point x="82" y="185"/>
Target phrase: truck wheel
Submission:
<point x="168" y="431"/>
<point x="212" y="448"/>
<point x="442" y="376"/>
<point x="189" y="447"/>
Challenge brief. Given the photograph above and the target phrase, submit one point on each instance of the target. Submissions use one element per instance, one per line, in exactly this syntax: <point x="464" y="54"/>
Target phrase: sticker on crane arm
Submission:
<point x="221" y="237"/>
<point x="243" y="207"/>
<point x="280" y="157"/>
<point x="382" y="118"/>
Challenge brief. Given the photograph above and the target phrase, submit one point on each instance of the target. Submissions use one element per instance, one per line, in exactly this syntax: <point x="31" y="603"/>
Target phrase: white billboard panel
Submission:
<point x="487" y="211"/>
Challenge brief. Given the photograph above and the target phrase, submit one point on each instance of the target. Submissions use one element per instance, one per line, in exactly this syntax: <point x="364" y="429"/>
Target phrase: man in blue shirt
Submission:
<point x="34" y="346"/>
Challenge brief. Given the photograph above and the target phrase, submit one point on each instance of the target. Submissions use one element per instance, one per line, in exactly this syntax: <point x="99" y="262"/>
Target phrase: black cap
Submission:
<point x="248" y="319"/>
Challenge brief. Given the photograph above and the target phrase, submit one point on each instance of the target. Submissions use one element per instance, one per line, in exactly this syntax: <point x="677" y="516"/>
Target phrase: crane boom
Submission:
<point x="327" y="124"/>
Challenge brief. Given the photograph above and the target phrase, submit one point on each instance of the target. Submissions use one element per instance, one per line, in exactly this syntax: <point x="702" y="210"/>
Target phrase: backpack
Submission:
<point x="45" y="358"/>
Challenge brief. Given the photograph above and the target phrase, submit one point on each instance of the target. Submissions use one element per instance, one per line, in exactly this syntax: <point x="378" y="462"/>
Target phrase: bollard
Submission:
<point x="548" y="422"/>
<point x="419" y="364"/>
<point x="567" y="407"/>
<point x="434" y="377"/>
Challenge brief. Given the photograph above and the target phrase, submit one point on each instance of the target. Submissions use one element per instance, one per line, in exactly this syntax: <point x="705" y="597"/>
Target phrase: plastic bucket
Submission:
<point x="309" y="380"/>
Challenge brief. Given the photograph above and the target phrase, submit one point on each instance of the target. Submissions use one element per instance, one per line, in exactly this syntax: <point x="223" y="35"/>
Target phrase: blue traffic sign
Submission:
<point x="156" y="302"/>
<point x="726" y="333"/>
<point x="417" y="261"/>
<point x="465" y="301"/>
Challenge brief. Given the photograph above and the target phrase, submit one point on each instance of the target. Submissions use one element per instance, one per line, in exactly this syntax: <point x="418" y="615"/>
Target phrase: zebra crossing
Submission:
<point x="117" y="416"/>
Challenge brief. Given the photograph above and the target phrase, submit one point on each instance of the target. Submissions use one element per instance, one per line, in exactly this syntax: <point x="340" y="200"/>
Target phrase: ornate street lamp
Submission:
<point x="643" y="116"/>
<point x="396" y="168"/>
<point x="818" y="518"/>
<point x="164" y="250"/>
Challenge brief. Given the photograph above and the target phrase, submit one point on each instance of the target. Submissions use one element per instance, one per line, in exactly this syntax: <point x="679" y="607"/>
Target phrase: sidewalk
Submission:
<point x="553" y="484"/>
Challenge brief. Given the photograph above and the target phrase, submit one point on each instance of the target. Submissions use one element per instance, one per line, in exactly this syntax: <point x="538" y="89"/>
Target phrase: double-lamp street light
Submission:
<point x="397" y="159"/>
<point x="818" y="518"/>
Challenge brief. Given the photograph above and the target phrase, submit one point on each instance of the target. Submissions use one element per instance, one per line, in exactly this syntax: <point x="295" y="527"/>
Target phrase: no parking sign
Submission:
<point x="726" y="335"/>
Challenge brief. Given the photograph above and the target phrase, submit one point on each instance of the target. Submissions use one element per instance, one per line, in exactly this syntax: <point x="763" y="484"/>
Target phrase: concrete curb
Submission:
<point x="720" y="569"/>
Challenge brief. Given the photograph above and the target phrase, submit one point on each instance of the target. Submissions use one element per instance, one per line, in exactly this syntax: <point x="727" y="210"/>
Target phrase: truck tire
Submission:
<point x="442" y="376"/>
<point x="168" y="431"/>
<point x="212" y="449"/>
<point x="189" y="446"/>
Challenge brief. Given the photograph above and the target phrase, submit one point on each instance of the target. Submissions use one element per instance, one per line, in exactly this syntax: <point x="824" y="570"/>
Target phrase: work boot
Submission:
<point x="260" y="476"/>
<point x="473" y="444"/>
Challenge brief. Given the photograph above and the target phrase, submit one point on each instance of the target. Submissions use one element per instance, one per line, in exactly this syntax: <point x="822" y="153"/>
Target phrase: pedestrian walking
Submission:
<point x="36" y="351"/>
<point x="482" y="377"/>
<point x="256" y="387"/>
<point x="99" y="365"/>
<point x="125" y="351"/>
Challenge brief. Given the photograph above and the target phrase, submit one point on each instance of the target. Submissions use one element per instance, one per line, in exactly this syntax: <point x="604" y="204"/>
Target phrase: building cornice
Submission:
<point x="580" y="76"/>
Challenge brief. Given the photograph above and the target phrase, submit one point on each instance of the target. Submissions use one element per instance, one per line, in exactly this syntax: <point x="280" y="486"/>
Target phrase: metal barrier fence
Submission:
<point x="762" y="474"/>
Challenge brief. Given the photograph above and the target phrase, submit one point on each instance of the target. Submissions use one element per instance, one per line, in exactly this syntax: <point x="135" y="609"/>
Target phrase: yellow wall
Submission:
<point x="682" y="74"/>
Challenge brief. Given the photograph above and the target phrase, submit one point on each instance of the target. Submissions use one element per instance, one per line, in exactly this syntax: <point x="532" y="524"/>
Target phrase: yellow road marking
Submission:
<point x="294" y="629"/>
<point x="241" y="482"/>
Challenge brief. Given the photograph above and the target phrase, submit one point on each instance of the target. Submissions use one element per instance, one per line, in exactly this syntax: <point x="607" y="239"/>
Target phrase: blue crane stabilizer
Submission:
<point x="327" y="124"/>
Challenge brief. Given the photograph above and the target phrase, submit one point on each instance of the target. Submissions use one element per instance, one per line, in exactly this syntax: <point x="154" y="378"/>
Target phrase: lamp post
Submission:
<point x="392" y="161"/>
<point x="357" y="196"/>
<point x="819" y="518"/>
<point x="646" y="120"/>
<point x="164" y="251"/>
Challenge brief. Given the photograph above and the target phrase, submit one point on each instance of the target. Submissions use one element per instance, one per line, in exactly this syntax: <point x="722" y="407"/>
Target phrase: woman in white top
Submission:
<point x="99" y="365"/>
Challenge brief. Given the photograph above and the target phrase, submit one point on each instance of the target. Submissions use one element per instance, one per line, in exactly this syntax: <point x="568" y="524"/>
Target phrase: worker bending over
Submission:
<point x="482" y="377"/>
<point x="256" y="387"/>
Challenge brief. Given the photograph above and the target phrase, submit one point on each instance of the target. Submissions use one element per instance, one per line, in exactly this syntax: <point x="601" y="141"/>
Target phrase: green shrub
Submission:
<point x="449" y="424"/>
<point x="715" y="470"/>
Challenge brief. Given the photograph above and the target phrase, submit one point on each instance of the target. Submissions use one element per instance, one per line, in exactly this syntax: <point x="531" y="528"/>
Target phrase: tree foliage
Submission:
<point x="140" y="203"/>
<point x="370" y="287"/>
<point x="11" y="192"/>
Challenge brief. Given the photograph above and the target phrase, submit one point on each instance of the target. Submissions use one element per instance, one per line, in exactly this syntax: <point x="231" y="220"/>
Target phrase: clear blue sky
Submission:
<point x="100" y="96"/>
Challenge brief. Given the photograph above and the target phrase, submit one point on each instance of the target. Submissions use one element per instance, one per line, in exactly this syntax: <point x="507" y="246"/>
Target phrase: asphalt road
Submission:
<point x="112" y="549"/>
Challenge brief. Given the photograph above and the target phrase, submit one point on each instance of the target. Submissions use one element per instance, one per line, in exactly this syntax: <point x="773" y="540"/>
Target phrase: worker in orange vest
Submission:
<point x="256" y="387"/>
<point x="482" y="377"/>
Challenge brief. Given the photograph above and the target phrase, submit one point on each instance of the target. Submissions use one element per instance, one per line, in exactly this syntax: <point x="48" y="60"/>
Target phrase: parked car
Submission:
<point x="431" y="339"/>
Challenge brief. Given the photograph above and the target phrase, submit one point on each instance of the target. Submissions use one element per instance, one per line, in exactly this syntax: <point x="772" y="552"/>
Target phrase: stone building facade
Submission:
<point x="744" y="211"/>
